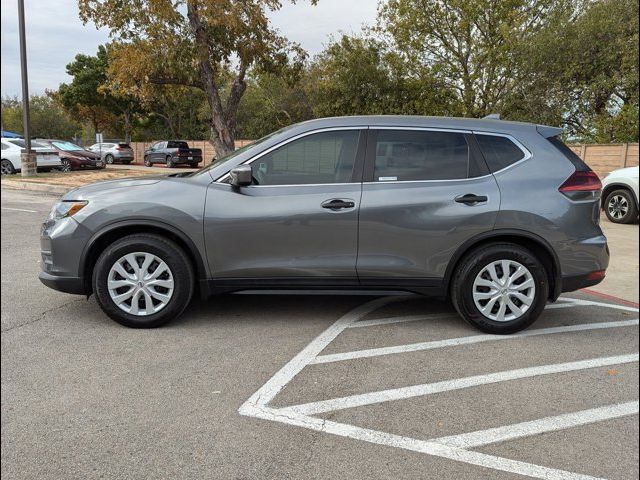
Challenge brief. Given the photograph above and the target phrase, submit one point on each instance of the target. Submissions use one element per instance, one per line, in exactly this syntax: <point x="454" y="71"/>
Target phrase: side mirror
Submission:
<point x="241" y="176"/>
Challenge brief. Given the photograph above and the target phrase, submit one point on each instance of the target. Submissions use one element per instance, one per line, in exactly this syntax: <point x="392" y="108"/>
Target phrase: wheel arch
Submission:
<point x="109" y="234"/>
<point x="538" y="246"/>
<point x="616" y="186"/>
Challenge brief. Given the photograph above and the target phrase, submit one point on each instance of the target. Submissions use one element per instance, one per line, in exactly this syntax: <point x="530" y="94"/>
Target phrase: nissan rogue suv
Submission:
<point x="501" y="217"/>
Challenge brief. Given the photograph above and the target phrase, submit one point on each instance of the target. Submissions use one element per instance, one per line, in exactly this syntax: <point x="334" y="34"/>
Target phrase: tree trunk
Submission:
<point x="222" y="133"/>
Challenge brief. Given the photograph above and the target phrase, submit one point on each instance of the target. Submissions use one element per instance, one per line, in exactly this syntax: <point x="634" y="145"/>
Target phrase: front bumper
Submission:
<point x="74" y="285"/>
<point x="61" y="244"/>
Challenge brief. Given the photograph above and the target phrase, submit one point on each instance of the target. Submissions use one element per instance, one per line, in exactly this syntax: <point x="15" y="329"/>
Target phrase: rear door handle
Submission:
<point x="471" y="199"/>
<point x="338" y="204"/>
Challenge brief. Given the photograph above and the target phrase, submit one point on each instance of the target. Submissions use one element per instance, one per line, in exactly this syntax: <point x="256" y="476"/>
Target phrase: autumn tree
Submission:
<point x="89" y="97"/>
<point x="194" y="43"/>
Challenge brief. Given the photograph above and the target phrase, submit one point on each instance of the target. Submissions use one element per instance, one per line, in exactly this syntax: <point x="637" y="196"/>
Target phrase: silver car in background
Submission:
<point x="500" y="217"/>
<point x="114" y="152"/>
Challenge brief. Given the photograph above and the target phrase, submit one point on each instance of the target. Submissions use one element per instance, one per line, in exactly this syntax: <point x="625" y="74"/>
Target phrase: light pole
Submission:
<point x="27" y="157"/>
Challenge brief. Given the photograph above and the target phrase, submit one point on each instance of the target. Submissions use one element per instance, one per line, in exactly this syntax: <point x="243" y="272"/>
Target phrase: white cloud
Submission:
<point x="55" y="35"/>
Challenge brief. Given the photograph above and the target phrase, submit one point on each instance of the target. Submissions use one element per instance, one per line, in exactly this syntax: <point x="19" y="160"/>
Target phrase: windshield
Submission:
<point x="66" y="146"/>
<point x="20" y="143"/>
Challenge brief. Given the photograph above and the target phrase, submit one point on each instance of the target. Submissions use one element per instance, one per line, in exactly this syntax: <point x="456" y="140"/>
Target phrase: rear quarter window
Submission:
<point x="499" y="152"/>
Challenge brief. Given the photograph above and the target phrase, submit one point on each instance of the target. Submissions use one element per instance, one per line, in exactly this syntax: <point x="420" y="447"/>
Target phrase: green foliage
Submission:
<point x="466" y="44"/>
<point x="48" y="117"/>
<point x="360" y="76"/>
<point x="582" y="72"/>
<point x="89" y="97"/>
<point x="270" y="103"/>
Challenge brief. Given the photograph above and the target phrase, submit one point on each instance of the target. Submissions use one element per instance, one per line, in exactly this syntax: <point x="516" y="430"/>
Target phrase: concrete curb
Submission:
<point x="45" y="188"/>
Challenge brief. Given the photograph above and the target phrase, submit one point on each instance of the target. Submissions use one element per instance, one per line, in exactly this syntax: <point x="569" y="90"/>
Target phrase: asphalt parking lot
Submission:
<point x="308" y="386"/>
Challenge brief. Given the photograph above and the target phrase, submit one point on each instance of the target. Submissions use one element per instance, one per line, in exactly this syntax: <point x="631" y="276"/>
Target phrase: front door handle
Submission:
<point x="338" y="204"/>
<point x="471" y="199"/>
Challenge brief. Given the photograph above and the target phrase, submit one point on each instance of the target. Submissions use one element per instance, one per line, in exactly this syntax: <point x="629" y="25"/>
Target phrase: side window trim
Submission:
<point x="512" y="139"/>
<point x="358" y="164"/>
<point x="369" y="174"/>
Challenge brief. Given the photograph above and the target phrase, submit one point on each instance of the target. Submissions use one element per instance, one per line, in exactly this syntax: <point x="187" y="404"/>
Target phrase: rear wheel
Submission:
<point x="500" y="288"/>
<point x="620" y="207"/>
<point x="147" y="162"/>
<point x="6" y="167"/>
<point x="170" y="163"/>
<point x="143" y="281"/>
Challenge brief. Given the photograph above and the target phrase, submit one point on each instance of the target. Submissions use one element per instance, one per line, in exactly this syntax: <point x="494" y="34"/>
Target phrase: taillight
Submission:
<point x="581" y="181"/>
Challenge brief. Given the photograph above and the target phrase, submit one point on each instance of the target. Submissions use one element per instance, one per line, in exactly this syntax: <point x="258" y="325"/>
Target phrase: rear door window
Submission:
<point x="414" y="155"/>
<point x="499" y="152"/>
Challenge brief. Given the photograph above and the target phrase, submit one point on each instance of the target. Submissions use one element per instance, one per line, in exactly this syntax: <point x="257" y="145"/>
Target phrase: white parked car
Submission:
<point x="620" y="195"/>
<point x="46" y="157"/>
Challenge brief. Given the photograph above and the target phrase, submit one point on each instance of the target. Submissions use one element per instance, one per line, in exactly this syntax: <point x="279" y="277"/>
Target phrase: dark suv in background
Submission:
<point x="172" y="153"/>
<point x="499" y="216"/>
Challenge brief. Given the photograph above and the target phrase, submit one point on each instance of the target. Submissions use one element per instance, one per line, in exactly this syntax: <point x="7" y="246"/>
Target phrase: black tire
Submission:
<point x="474" y="263"/>
<point x="147" y="162"/>
<point x="614" y="204"/>
<point x="170" y="163"/>
<point x="166" y="250"/>
<point x="7" y="167"/>
<point x="109" y="159"/>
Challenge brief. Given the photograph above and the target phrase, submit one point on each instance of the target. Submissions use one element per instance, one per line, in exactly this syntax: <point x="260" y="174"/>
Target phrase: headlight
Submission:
<point x="66" y="209"/>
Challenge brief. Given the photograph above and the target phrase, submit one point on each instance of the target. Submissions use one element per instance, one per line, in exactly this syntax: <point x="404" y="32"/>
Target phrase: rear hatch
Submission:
<point x="124" y="149"/>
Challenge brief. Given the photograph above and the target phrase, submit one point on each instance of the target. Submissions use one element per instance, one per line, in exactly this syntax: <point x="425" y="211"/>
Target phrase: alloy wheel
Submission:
<point x="6" y="168"/>
<point x="504" y="290"/>
<point x="618" y="207"/>
<point x="66" y="166"/>
<point x="140" y="283"/>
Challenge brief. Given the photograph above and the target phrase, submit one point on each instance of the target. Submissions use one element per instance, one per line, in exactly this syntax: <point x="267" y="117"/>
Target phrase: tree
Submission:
<point x="590" y="85"/>
<point x="203" y="44"/>
<point x="467" y="44"/>
<point x="48" y="117"/>
<point x="271" y="102"/>
<point x="360" y="76"/>
<point x="88" y="96"/>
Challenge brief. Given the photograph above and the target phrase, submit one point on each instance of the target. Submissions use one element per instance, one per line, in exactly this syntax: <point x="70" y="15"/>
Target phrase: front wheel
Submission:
<point x="65" y="165"/>
<point x="620" y="207"/>
<point x="143" y="281"/>
<point x="109" y="159"/>
<point x="147" y="162"/>
<point x="500" y="288"/>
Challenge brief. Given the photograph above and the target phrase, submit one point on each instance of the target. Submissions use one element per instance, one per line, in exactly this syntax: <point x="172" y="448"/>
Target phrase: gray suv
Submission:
<point x="500" y="217"/>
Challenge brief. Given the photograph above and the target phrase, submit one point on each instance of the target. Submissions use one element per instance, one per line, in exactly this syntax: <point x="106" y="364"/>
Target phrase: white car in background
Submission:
<point x="620" y="195"/>
<point x="46" y="157"/>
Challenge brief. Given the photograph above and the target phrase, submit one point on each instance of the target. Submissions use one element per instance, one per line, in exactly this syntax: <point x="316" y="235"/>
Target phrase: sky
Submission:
<point x="55" y="35"/>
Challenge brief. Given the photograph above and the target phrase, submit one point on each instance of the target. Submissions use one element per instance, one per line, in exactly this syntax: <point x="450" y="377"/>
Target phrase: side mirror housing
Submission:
<point x="241" y="176"/>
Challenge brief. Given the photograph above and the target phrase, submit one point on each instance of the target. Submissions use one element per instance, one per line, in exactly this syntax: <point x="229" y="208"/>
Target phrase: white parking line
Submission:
<point x="256" y="405"/>
<point x="535" y="427"/>
<point x="351" y="401"/>
<point x="19" y="210"/>
<point x="420" y="446"/>
<point x="454" y="342"/>
<point x="387" y="321"/>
